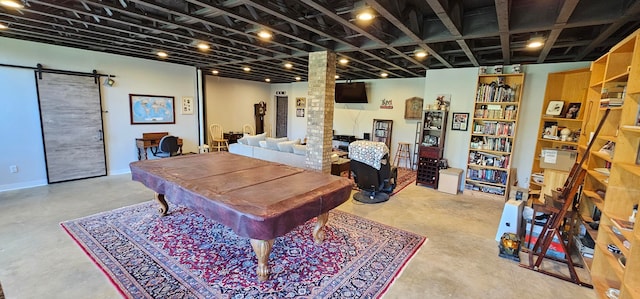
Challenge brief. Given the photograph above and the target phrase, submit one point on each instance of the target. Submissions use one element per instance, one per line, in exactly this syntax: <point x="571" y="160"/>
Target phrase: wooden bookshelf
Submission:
<point x="493" y="132"/>
<point x="617" y="70"/>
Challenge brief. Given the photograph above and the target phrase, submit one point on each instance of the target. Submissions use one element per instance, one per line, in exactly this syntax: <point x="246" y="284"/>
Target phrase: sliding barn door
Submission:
<point x="71" y="118"/>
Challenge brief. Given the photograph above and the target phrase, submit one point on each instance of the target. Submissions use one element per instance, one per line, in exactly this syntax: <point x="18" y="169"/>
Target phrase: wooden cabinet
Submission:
<point x="612" y="183"/>
<point x="431" y="147"/>
<point x="493" y="132"/>
<point x="382" y="131"/>
<point x="570" y="89"/>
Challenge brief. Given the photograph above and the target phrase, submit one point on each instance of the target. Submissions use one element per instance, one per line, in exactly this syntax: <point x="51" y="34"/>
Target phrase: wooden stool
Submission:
<point x="403" y="153"/>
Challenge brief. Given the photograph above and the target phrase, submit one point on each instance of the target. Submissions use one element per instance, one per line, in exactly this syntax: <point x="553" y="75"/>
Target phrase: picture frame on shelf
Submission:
<point x="573" y="110"/>
<point x="460" y="121"/>
<point x="151" y="109"/>
<point x="554" y="108"/>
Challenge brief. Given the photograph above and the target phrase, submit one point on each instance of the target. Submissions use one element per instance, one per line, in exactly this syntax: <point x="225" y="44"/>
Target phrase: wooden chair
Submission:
<point x="216" y="133"/>
<point x="248" y="129"/>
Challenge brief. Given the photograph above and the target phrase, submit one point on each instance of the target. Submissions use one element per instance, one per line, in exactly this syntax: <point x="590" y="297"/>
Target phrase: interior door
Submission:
<point x="72" y="132"/>
<point x="282" y="113"/>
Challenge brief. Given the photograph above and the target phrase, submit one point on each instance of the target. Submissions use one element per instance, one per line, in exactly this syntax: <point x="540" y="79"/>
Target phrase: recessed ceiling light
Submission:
<point x="343" y="61"/>
<point x="11" y="3"/>
<point x="365" y="15"/>
<point x="215" y="72"/>
<point x="337" y="76"/>
<point x="298" y="78"/>
<point x="384" y="75"/>
<point x="162" y="54"/>
<point x="246" y="69"/>
<point x="264" y="34"/>
<point x="535" y="44"/>
<point x="3" y="26"/>
<point x="536" y="41"/>
<point x="267" y="80"/>
<point x="288" y="65"/>
<point x="203" y="46"/>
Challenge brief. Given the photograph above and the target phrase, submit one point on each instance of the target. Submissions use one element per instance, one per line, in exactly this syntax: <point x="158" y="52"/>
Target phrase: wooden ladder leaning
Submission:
<point x="551" y="229"/>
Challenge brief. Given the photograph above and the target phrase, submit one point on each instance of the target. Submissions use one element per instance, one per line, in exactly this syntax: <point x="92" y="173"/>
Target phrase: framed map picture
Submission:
<point x="148" y="109"/>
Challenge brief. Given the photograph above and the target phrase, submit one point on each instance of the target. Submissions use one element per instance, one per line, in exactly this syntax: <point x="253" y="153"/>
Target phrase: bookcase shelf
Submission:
<point x="493" y="133"/>
<point x="570" y="88"/>
<point x="614" y="195"/>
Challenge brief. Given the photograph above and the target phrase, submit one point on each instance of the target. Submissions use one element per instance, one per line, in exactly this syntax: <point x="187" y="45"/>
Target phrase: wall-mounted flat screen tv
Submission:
<point x="352" y="92"/>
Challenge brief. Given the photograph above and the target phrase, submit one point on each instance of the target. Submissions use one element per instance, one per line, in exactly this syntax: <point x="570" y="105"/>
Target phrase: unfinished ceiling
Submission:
<point x="456" y="33"/>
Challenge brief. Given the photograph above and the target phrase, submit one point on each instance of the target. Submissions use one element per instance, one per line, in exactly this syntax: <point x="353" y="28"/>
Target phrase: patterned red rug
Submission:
<point x="185" y="255"/>
<point x="406" y="176"/>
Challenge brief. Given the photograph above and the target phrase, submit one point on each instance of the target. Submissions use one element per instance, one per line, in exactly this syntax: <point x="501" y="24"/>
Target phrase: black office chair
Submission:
<point x="168" y="146"/>
<point x="372" y="171"/>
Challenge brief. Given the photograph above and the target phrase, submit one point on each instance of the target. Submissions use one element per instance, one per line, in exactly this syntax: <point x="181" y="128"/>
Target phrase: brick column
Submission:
<point x="322" y="71"/>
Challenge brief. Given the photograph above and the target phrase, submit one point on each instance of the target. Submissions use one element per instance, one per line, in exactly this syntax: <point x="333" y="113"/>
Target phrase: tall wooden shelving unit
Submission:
<point x="614" y="195"/>
<point x="431" y="147"/>
<point x="569" y="87"/>
<point x="493" y="133"/>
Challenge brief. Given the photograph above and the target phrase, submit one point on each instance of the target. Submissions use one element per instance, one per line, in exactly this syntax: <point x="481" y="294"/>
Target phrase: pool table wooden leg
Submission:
<point x="318" y="231"/>
<point x="164" y="207"/>
<point x="262" y="248"/>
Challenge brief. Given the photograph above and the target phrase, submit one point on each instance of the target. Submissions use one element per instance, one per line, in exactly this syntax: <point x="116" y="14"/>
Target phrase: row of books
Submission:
<point x="486" y="159"/>
<point x="485" y="189"/>
<point x="499" y="144"/>
<point x="494" y="128"/>
<point x="496" y="112"/>
<point x="494" y="92"/>
<point x="487" y="175"/>
<point x="611" y="102"/>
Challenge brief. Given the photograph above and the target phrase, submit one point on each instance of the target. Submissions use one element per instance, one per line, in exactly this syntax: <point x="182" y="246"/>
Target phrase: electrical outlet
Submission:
<point x="13" y="168"/>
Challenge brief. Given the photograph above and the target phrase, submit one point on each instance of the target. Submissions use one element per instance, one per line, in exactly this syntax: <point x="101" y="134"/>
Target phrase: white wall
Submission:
<point x="356" y="119"/>
<point x="461" y="84"/>
<point x="229" y="102"/>
<point x="20" y="121"/>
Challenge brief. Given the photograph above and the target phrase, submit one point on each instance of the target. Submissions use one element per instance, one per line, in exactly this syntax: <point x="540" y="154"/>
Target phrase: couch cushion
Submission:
<point x="287" y="146"/>
<point x="254" y="140"/>
<point x="262" y="143"/>
<point x="272" y="143"/>
<point x="299" y="149"/>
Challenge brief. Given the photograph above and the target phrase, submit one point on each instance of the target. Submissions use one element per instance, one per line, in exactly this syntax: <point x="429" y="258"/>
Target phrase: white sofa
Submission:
<point x="267" y="154"/>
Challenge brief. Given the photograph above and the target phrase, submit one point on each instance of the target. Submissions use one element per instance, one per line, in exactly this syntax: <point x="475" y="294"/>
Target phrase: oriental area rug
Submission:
<point x="185" y="255"/>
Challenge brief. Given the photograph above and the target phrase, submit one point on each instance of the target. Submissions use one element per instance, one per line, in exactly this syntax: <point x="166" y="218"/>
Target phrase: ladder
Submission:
<point x="551" y="229"/>
<point x="416" y="147"/>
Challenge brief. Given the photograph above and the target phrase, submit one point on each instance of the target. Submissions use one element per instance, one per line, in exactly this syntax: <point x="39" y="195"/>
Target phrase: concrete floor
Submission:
<point x="459" y="260"/>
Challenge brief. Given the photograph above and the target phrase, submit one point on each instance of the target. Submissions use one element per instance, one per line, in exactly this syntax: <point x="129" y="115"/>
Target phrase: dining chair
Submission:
<point x="216" y="133"/>
<point x="248" y="129"/>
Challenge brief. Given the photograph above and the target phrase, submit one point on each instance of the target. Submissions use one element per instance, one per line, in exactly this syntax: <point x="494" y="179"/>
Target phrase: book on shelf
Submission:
<point x="623" y="224"/>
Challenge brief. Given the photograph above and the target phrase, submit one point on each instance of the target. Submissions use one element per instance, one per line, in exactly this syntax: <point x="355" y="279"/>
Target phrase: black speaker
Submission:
<point x="366" y="136"/>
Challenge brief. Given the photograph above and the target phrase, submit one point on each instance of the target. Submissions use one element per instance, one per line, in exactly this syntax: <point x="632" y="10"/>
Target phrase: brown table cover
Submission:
<point x="256" y="198"/>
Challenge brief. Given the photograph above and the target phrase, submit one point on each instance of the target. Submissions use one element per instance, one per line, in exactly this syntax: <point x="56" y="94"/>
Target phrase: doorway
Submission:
<point x="282" y="112"/>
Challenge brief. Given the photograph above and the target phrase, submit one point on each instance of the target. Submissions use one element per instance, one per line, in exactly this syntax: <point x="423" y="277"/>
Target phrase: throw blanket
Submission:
<point x="368" y="152"/>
